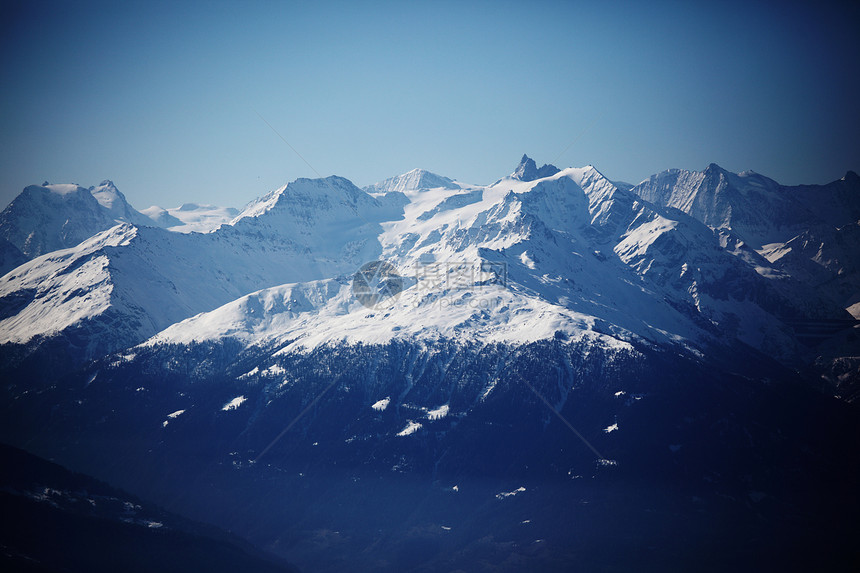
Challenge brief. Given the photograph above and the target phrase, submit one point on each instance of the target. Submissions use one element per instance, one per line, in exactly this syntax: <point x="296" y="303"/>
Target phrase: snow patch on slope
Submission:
<point x="381" y="405"/>
<point x="410" y="429"/>
<point x="234" y="403"/>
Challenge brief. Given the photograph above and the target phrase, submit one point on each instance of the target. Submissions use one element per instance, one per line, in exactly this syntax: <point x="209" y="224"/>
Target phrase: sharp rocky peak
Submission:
<point x="527" y="170"/>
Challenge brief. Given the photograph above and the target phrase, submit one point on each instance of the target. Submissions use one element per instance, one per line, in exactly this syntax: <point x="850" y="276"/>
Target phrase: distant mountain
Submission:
<point x="45" y="218"/>
<point x="412" y="181"/>
<point x="560" y="242"/>
<point x="755" y="208"/>
<point x="572" y="245"/>
<point x="116" y="206"/>
<point x="809" y="232"/>
<point x="528" y="170"/>
<point x="162" y="217"/>
<point x="127" y="283"/>
<point x="191" y="217"/>
<point x="56" y="520"/>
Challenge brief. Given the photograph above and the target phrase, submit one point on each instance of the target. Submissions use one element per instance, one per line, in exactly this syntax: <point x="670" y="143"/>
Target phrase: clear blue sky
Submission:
<point x="164" y="97"/>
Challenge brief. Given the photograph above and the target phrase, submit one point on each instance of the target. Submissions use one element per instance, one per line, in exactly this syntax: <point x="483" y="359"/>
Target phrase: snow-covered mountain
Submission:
<point x="45" y="218"/>
<point x="518" y="260"/>
<point x="543" y="364"/>
<point x="412" y="181"/>
<point x="808" y="232"/>
<point x="755" y="208"/>
<point x="191" y="217"/>
<point x="127" y="283"/>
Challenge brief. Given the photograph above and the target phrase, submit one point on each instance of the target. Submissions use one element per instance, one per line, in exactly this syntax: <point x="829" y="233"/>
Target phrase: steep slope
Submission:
<point x="127" y="283"/>
<point x="116" y="206"/>
<point x="806" y="232"/>
<point x="569" y="255"/>
<point x="50" y="217"/>
<point x="528" y="170"/>
<point x="755" y="208"/>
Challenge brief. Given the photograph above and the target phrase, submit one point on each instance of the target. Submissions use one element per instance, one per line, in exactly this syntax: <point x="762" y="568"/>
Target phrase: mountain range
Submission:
<point x="539" y="353"/>
<point x="46" y="218"/>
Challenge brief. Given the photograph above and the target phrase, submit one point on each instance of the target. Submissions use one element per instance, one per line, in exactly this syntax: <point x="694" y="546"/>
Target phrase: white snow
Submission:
<point x="414" y="180"/>
<point x="234" y="403"/>
<point x="410" y="428"/>
<point x="191" y="217"/>
<point x="273" y="370"/>
<point x="512" y="262"/>
<point x="82" y="291"/>
<point x="510" y="493"/>
<point x="381" y="404"/>
<point x="62" y="188"/>
<point x="438" y="413"/>
<point x="463" y="296"/>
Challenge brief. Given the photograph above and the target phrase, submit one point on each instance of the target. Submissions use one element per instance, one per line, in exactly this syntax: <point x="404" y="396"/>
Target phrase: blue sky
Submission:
<point x="164" y="97"/>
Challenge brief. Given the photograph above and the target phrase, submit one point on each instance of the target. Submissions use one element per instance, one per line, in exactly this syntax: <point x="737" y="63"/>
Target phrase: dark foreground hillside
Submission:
<point x="449" y="457"/>
<point x="54" y="520"/>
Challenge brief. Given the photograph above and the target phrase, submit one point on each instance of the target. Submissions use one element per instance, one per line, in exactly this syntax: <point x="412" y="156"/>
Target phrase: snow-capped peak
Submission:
<point x="60" y="189"/>
<point x="414" y="180"/>
<point x="309" y="194"/>
<point x="45" y="218"/>
<point x="108" y="195"/>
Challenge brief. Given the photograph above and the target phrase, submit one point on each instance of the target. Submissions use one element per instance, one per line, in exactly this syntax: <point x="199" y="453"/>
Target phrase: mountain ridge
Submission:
<point x="571" y="245"/>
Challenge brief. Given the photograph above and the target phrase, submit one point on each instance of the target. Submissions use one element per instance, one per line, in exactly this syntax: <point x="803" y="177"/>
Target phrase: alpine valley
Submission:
<point x="554" y="372"/>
